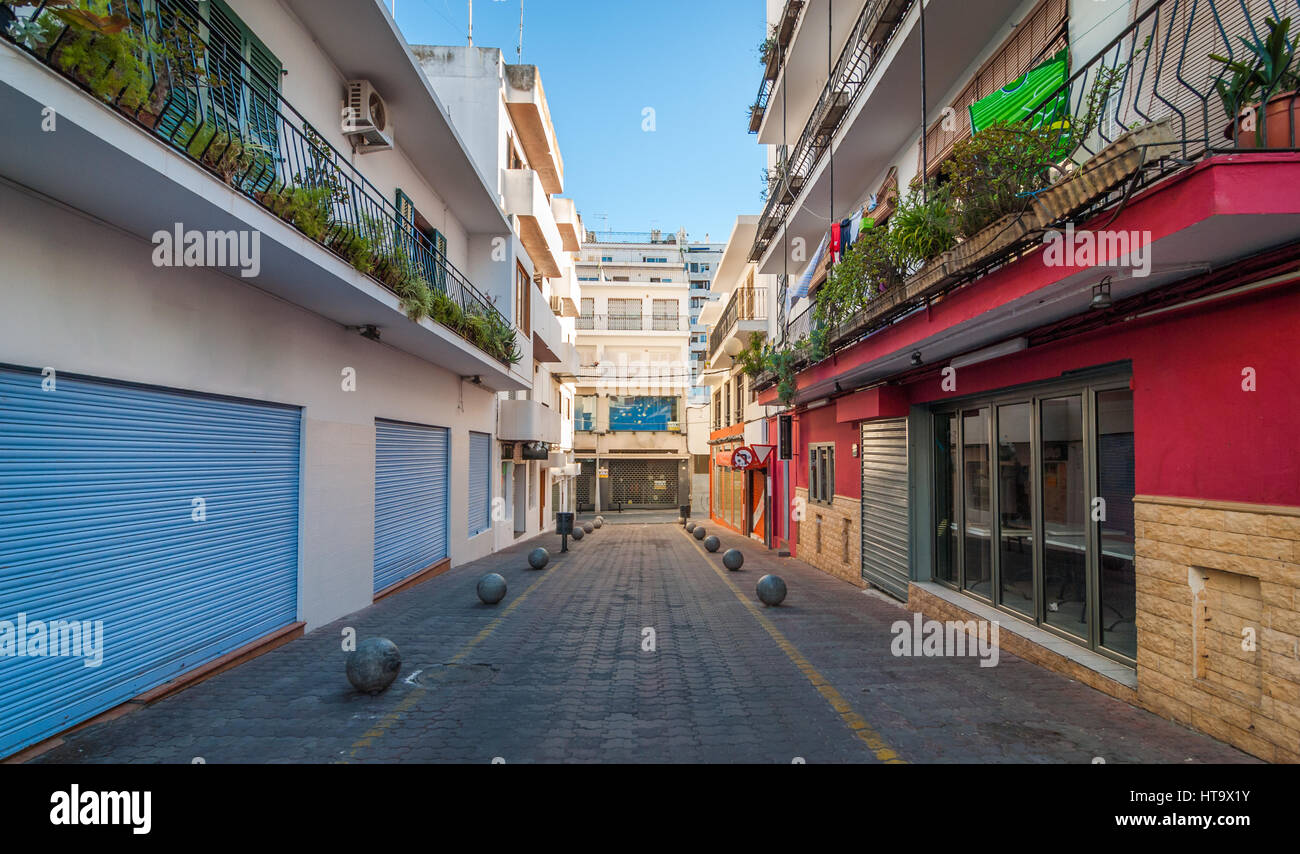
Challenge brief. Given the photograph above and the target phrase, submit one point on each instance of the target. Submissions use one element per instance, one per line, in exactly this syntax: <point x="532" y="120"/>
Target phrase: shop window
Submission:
<point x="1033" y="508"/>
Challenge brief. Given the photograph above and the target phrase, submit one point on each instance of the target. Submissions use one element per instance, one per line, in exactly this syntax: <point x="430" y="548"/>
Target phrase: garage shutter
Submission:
<point x="885" y="505"/>
<point x="170" y="517"/>
<point x="410" y="500"/>
<point x="480" y="482"/>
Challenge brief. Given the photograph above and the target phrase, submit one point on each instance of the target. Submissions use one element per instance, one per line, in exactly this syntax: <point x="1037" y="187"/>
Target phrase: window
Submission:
<point x="587" y="314"/>
<point x="607" y="259"/>
<point x="624" y="314"/>
<point x="821" y="473"/>
<point x="655" y="260"/>
<point x="1033" y="508"/>
<point x="665" y="315"/>
<point x="523" y="299"/>
<point x="584" y="413"/>
<point x="514" y="160"/>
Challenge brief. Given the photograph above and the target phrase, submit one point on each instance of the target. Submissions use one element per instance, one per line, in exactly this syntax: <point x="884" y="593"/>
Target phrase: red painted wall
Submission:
<point x="1198" y="434"/>
<point x="819" y="425"/>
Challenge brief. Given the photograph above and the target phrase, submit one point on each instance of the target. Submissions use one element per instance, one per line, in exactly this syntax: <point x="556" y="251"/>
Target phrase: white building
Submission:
<point x="635" y="374"/>
<point x="502" y="114"/>
<point x="216" y="454"/>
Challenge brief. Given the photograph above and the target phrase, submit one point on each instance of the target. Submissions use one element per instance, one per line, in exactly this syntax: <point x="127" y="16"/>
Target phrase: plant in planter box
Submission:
<point x="995" y="172"/>
<point x="354" y="245"/>
<point x="1263" y="85"/>
<point x="416" y="297"/>
<point x="871" y="266"/>
<point x="753" y="359"/>
<point x="306" y="208"/>
<point x="922" y="228"/>
<point x="228" y="154"/>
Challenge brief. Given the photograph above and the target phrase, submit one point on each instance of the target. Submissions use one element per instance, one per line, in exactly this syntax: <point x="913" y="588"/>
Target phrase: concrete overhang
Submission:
<point x="528" y="421"/>
<point x="569" y="222"/>
<point x="526" y="102"/>
<point x="1223" y="210"/>
<point x="128" y="164"/>
<point x="735" y="258"/>
<point x="525" y="199"/>
<point x="363" y="41"/>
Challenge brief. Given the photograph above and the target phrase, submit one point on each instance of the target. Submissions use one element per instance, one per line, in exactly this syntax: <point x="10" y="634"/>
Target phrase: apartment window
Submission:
<point x="587" y="314"/>
<point x="726" y="403"/>
<point x="425" y="244"/>
<point x="523" y="299"/>
<point x="1033" y="508"/>
<point x="624" y="314"/>
<point x="821" y="473"/>
<point x="717" y="410"/>
<point x="584" y="413"/>
<point x="740" y="399"/>
<point x="607" y="259"/>
<point x="665" y="315"/>
<point x="229" y="42"/>
<point x="655" y="260"/>
<point x="515" y="161"/>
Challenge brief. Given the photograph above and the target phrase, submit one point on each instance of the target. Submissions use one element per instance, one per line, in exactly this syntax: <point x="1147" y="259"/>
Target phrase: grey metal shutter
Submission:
<point x="411" y="463"/>
<point x="171" y="518"/>
<point x="480" y="482"/>
<point x="885" y="505"/>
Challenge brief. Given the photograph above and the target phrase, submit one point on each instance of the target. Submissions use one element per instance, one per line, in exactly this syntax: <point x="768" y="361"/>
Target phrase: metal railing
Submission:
<point x="876" y="25"/>
<point x="745" y="304"/>
<point x="788" y="21"/>
<point x="228" y="116"/>
<point x="629" y="323"/>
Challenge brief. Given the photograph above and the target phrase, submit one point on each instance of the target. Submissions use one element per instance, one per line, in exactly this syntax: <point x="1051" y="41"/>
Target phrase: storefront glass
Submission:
<point x="1015" y="507"/>
<point x="975" y="505"/>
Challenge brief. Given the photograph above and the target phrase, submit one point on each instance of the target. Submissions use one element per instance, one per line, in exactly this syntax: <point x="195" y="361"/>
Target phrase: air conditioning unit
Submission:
<point x="365" y="118"/>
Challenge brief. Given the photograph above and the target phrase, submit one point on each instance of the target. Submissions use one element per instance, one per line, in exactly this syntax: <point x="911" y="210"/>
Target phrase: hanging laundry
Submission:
<point x="805" y="280"/>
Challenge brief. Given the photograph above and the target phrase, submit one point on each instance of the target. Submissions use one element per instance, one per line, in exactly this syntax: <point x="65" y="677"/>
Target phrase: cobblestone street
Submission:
<point x="557" y="673"/>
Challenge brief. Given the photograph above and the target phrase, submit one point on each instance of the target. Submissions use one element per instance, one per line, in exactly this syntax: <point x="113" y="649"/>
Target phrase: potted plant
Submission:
<point x="1259" y="91"/>
<point x="922" y="231"/>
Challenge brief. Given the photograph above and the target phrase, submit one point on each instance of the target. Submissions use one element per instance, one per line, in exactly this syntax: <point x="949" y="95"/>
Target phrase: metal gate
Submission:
<point x="643" y="484"/>
<point x="885" y="506"/>
<point x="410" y="500"/>
<point x="158" y="527"/>
<point x="587" y="487"/>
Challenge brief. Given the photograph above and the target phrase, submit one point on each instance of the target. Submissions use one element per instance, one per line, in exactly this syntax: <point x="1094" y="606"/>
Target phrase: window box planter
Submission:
<point x="1282" y="123"/>
<point x="994" y="238"/>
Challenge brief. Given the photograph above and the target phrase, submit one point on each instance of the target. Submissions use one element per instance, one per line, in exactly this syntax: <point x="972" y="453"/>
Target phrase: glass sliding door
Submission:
<point x="1064" y="484"/>
<point x="946" y="489"/>
<point x="1015" y="508"/>
<point x="1117" y="590"/>
<point x="976" y="510"/>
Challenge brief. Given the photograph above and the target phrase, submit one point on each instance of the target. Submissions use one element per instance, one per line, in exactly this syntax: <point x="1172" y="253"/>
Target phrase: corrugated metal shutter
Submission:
<point x="885" y="505"/>
<point x="99" y="521"/>
<point x="411" y="496"/>
<point x="480" y="482"/>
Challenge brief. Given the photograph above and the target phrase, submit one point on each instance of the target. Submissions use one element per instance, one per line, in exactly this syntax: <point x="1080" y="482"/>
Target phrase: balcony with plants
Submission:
<point x="1165" y="95"/>
<point x="148" y="60"/>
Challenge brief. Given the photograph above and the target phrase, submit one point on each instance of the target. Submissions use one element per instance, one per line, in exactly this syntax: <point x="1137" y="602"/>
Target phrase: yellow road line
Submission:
<point x="852" y="719"/>
<point x="378" y="730"/>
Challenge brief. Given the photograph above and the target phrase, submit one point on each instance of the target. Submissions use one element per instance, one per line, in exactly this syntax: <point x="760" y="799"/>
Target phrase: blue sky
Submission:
<point x="694" y="62"/>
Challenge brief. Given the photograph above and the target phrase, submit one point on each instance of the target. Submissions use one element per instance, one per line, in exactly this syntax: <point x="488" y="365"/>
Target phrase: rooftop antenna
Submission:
<point x="521" y="31"/>
<point x="471" y="22"/>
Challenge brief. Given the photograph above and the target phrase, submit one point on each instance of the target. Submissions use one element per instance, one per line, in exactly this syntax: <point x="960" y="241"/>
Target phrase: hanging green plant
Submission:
<point x="870" y="267"/>
<point x="996" y="172"/>
<point x="752" y="358"/>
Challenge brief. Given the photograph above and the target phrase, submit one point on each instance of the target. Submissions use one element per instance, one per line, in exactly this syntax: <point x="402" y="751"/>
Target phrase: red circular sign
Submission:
<point x="743" y="458"/>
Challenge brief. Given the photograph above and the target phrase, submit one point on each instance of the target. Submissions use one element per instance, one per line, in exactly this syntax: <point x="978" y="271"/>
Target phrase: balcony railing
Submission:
<point x="785" y="27"/>
<point x="876" y="25"/>
<point x="228" y="116"/>
<point x="630" y="323"/>
<point x="745" y="304"/>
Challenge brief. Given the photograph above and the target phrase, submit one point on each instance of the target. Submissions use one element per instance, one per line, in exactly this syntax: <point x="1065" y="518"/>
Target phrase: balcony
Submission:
<point x="745" y="314"/>
<point x="222" y="116"/>
<point x="549" y="346"/>
<point x="569" y="223"/>
<point x="526" y="102"/>
<point x="525" y="199"/>
<point x="630" y="323"/>
<point x="528" y="421"/>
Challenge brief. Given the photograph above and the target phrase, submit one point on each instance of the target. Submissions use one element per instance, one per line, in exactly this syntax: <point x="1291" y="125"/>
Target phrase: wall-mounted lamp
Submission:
<point x="1101" y="299"/>
<point x="916" y="359"/>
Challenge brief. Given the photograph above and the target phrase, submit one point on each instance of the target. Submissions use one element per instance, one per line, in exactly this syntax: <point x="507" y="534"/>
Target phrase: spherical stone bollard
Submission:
<point x="373" y="665"/>
<point x="601" y="520"/>
<point x="691" y="526"/>
<point x="681" y="521"/>
<point x="598" y="523"/>
<point x="492" y="588"/>
<point x="700" y="533"/>
<point x="589" y="527"/>
<point x="771" y="590"/>
<point x="539" y="558"/>
<point x="733" y="559"/>
<point x="579" y="533"/>
<point x="713" y="544"/>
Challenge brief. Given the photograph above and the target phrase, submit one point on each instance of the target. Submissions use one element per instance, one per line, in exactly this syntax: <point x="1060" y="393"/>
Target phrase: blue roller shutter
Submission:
<point x="410" y="500"/>
<point x="171" y="517"/>
<point x="480" y="482"/>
